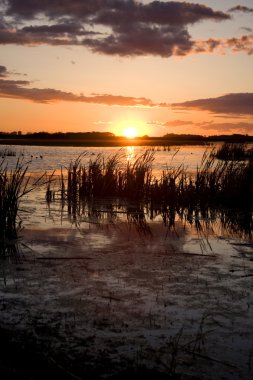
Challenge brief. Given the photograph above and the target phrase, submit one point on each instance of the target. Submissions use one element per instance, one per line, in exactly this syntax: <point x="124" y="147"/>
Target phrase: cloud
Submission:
<point x="20" y="89"/>
<point x="177" y="123"/>
<point x="143" y="40"/>
<point x="246" y="29"/>
<point x="132" y="28"/>
<point x="237" y="103"/>
<point x="156" y="12"/>
<point x="241" y="8"/>
<point x="3" y="71"/>
<point x="109" y="12"/>
<point x="239" y="44"/>
<point x="229" y="127"/>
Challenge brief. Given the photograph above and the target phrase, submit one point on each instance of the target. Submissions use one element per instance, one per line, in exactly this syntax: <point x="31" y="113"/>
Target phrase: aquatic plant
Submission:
<point x="234" y="151"/>
<point x="7" y="153"/>
<point x="113" y="176"/>
<point x="216" y="183"/>
<point x="14" y="184"/>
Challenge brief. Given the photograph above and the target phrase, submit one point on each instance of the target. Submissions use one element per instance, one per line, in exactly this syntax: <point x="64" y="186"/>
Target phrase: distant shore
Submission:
<point x="97" y="143"/>
<point x="76" y="141"/>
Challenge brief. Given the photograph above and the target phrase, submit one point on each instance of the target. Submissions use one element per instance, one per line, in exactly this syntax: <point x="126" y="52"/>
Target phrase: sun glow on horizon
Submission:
<point x="130" y="132"/>
<point x="130" y="128"/>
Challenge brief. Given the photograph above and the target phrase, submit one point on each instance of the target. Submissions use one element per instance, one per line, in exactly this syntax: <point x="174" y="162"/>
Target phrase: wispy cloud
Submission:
<point x="21" y="89"/>
<point x="241" y="8"/>
<point x="132" y="28"/>
<point x="228" y="127"/>
<point x="237" y="103"/>
<point x="177" y="123"/>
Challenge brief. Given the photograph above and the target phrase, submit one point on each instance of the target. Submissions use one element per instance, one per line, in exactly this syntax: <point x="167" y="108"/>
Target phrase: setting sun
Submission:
<point x="130" y="132"/>
<point x="130" y="128"/>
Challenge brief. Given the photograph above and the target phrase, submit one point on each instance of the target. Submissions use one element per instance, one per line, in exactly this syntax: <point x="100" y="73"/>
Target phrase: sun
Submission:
<point x="130" y="128"/>
<point x="130" y="132"/>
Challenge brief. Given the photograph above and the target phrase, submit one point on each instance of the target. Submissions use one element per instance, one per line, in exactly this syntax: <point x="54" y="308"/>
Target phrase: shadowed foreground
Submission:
<point x="126" y="304"/>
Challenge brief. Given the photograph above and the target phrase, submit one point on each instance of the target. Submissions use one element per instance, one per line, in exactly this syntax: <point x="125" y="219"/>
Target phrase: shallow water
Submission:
<point x="51" y="159"/>
<point x="124" y="280"/>
<point x="210" y="233"/>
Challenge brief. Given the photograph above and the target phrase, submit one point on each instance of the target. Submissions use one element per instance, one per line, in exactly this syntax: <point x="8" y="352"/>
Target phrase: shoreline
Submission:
<point x="100" y="143"/>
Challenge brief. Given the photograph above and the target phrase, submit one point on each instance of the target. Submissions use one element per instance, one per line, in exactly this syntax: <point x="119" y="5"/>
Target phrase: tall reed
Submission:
<point x="214" y="183"/>
<point x="234" y="151"/>
<point x="14" y="184"/>
<point x="113" y="176"/>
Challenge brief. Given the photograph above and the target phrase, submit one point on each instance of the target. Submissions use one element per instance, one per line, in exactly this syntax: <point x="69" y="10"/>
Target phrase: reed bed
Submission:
<point x="215" y="183"/>
<point x="14" y="184"/>
<point x="234" y="151"/>
<point x="7" y="153"/>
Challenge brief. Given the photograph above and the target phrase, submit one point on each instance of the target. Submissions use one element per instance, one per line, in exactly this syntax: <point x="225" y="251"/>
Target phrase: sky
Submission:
<point x="126" y="67"/>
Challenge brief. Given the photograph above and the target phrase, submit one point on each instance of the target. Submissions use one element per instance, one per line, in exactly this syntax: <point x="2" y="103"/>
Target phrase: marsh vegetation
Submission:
<point x="14" y="185"/>
<point x="234" y="151"/>
<point x="215" y="183"/>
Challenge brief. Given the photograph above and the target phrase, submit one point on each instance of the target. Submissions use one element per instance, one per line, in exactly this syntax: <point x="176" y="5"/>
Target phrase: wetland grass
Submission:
<point x="7" y="153"/>
<point x="234" y="151"/>
<point x="215" y="183"/>
<point x="108" y="177"/>
<point x="14" y="184"/>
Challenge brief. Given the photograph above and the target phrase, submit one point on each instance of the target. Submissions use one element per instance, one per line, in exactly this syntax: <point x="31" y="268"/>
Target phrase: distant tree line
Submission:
<point x="109" y="136"/>
<point x="58" y="135"/>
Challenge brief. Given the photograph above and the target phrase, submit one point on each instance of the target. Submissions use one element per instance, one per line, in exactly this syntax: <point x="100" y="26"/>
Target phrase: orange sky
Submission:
<point x="155" y="67"/>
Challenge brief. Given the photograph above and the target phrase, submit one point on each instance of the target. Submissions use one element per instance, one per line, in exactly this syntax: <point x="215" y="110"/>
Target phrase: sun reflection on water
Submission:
<point x="130" y="153"/>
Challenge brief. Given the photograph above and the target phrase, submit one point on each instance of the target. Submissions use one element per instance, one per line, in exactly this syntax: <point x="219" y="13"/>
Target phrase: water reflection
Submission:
<point x="201" y="224"/>
<point x="11" y="250"/>
<point x="130" y="153"/>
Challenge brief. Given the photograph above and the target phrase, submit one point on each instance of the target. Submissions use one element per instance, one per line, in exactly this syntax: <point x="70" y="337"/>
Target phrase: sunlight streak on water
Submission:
<point x="42" y="158"/>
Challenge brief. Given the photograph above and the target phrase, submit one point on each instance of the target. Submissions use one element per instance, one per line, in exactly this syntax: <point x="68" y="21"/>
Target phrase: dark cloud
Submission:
<point x="28" y="9"/>
<point x="241" y="8"/>
<point x="143" y="40"/>
<point x="3" y="71"/>
<point x="238" y="103"/>
<point x="156" y="12"/>
<point x="56" y="29"/>
<point x="132" y="27"/>
<point x="113" y="12"/>
<point x="20" y="89"/>
<point x="58" y="34"/>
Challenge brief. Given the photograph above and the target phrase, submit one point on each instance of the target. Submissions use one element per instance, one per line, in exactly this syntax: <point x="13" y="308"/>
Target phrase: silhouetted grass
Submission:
<point x="14" y="184"/>
<point x="7" y="153"/>
<point x="214" y="183"/>
<point x="234" y="151"/>
<point x="113" y="176"/>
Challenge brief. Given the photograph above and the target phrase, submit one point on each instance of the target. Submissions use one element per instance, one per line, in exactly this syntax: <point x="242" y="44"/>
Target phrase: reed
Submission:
<point x="14" y="184"/>
<point x="7" y="153"/>
<point x="215" y="183"/>
<point x="113" y="176"/>
<point x="234" y="151"/>
<point x="137" y="177"/>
